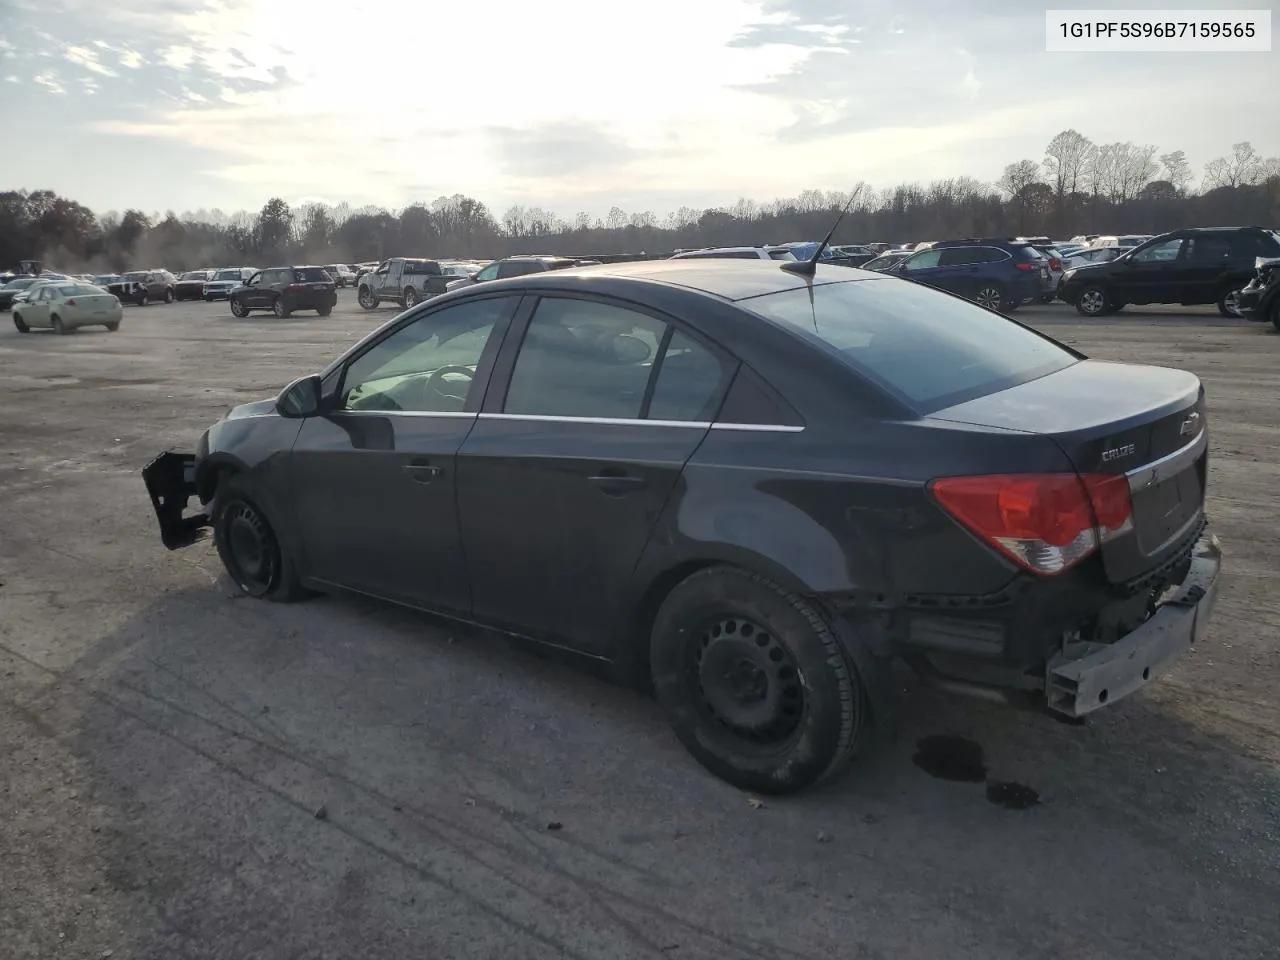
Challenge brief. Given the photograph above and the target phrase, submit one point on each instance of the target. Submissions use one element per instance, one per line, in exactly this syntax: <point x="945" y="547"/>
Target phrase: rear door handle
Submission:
<point x="617" y="483"/>
<point x="423" y="472"/>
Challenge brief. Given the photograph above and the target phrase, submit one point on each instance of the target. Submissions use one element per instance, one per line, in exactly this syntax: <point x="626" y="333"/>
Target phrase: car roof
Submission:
<point x="725" y="279"/>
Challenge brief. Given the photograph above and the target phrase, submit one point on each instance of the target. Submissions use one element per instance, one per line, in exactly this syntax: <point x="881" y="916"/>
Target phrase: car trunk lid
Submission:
<point x="1146" y="423"/>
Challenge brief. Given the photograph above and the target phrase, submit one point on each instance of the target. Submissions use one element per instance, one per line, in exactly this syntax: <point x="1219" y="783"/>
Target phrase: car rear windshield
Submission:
<point x="311" y="275"/>
<point x="80" y="290"/>
<point x="227" y="275"/>
<point x="927" y="348"/>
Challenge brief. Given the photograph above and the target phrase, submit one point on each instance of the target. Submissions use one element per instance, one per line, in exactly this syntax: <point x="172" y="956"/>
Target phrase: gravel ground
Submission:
<point x="188" y="774"/>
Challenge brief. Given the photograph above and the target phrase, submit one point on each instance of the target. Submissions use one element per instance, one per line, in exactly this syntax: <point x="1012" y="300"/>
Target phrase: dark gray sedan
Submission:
<point x="749" y="487"/>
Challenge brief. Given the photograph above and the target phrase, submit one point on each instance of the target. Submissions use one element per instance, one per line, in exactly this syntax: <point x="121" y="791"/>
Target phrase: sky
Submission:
<point x="577" y="105"/>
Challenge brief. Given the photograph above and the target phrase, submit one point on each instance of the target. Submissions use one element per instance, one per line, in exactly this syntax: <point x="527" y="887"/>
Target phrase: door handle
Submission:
<point x="617" y="483"/>
<point x="423" y="472"/>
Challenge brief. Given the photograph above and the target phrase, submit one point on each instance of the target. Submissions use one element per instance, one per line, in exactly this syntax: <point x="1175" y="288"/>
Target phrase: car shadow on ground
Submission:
<point x="351" y="778"/>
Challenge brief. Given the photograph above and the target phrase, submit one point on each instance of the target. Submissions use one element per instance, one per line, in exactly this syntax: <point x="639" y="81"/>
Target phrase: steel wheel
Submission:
<point x="250" y="552"/>
<point x="989" y="297"/>
<point x="1092" y="302"/>
<point x="747" y="681"/>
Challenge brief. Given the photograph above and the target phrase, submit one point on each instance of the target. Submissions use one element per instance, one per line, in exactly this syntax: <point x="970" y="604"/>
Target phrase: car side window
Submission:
<point x="1208" y="249"/>
<point x="688" y="383"/>
<point x="958" y="256"/>
<point x="1159" y="252"/>
<point x="581" y="358"/>
<point x="428" y="366"/>
<point x="923" y="261"/>
<point x="488" y="273"/>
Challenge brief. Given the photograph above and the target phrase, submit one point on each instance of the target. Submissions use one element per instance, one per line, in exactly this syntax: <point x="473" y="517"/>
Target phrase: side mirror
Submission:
<point x="473" y="276"/>
<point x="300" y="398"/>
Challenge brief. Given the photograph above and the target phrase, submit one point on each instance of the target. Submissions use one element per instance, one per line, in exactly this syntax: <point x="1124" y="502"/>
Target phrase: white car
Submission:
<point x="735" y="253"/>
<point x="1123" y="240"/>
<point x="65" y="306"/>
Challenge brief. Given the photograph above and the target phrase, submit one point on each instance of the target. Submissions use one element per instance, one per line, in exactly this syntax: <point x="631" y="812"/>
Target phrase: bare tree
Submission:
<point x="1138" y="168"/>
<point x="1018" y="176"/>
<point x="1177" y="170"/>
<point x="1244" y="167"/>
<point x="616" y="220"/>
<point x="1066" y="160"/>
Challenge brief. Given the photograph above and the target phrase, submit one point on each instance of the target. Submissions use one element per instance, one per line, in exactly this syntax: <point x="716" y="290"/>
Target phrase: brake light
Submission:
<point x="296" y="286"/>
<point x="1046" y="523"/>
<point x="1024" y="266"/>
<point x="71" y="302"/>
<point x="1055" y="264"/>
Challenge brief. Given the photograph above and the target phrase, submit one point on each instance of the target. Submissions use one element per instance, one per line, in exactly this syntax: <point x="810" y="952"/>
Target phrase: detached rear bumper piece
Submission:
<point x="1075" y="687"/>
<point x="171" y="483"/>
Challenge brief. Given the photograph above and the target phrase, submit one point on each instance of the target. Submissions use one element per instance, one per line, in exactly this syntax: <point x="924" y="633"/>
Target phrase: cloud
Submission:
<point x="560" y="148"/>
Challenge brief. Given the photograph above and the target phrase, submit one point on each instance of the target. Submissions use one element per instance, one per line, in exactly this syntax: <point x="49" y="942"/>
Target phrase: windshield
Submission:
<point x="136" y="275"/>
<point x="227" y="275"/>
<point x="928" y="348"/>
<point x="20" y="284"/>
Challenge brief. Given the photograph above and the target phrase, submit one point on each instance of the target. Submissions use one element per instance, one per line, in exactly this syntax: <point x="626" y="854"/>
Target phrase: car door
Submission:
<point x="374" y="477"/>
<point x="957" y="270"/>
<point x="251" y="296"/>
<point x="1206" y="260"/>
<point x="35" y="311"/>
<point x="922" y="267"/>
<point x="1150" y="274"/>
<point x="580" y="441"/>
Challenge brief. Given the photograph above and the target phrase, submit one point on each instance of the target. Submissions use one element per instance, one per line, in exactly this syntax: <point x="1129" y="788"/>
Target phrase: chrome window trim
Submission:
<point x="1169" y="465"/>
<point x="599" y="421"/>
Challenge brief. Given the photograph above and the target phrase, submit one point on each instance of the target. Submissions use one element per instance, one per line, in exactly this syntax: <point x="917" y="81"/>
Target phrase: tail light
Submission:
<point x="1055" y="263"/>
<point x="1026" y="267"/>
<point x="295" y="287"/>
<point x="1046" y="523"/>
<point x="71" y="302"/>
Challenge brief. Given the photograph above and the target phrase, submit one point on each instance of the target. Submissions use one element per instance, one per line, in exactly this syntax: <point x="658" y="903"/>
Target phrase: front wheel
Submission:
<point x="238" y="309"/>
<point x="755" y="683"/>
<point x="142" y="299"/>
<point x="1229" y="300"/>
<point x="991" y="296"/>
<point x="168" y="295"/>
<point x="1093" y="302"/>
<point x="248" y="546"/>
<point x="367" y="298"/>
<point x="20" y="324"/>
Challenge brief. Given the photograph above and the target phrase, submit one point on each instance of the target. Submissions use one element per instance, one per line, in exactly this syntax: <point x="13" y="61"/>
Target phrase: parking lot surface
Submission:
<point x="188" y="774"/>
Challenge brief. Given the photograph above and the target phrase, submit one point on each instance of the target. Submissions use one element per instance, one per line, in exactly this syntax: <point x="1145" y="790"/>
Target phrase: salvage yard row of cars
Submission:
<point x="750" y="485"/>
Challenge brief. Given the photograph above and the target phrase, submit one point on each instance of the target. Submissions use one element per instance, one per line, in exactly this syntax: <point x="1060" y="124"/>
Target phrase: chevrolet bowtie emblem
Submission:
<point x="1189" y="425"/>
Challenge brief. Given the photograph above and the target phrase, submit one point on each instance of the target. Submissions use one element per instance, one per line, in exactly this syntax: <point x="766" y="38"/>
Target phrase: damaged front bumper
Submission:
<point x="1076" y="686"/>
<point x="171" y="483"/>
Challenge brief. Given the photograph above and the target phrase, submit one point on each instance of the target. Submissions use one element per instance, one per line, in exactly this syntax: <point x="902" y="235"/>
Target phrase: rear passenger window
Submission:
<point x="989" y="255"/>
<point x="1208" y="249"/>
<point x="580" y="358"/>
<point x="688" y="382"/>
<point x="957" y="256"/>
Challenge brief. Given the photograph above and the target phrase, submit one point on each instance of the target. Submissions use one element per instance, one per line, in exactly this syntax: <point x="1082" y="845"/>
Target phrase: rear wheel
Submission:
<point x="143" y="299"/>
<point x="58" y="326"/>
<point x="238" y="309"/>
<point x="248" y="546"/>
<point x="1093" y="302"/>
<point x="410" y="297"/>
<point x="113" y="326"/>
<point x="20" y="324"/>
<point x="754" y="682"/>
<point x="1229" y="300"/>
<point x="991" y="296"/>
<point x="325" y="311"/>
<point x="168" y="295"/>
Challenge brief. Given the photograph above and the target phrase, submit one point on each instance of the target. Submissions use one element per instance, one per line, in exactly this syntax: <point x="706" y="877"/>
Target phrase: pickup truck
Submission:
<point x="403" y="280"/>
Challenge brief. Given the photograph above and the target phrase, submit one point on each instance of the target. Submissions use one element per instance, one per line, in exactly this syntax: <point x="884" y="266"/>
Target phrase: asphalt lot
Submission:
<point x="165" y="747"/>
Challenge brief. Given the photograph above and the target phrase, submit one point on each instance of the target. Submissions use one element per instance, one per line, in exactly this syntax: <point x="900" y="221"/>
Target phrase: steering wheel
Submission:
<point x="437" y="385"/>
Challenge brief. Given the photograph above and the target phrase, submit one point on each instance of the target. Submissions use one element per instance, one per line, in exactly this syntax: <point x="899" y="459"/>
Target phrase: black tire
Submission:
<point x="240" y="526"/>
<point x="1048" y="297"/>
<point x="410" y="297"/>
<point x="208" y="299"/>
<point x="722" y="621"/>
<point x="168" y="295"/>
<point x="19" y="324"/>
<point x="1228" y="296"/>
<point x="1093" y="301"/>
<point x="59" y="327"/>
<point x="113" y="326"/>
<point x="325" y="311"/>
<point x="991" y="296"/>
<point x="279" y="309"/>
<point x="142" y="299"/>
<point x="238" y="309"/>
<point x="367" y="299"/>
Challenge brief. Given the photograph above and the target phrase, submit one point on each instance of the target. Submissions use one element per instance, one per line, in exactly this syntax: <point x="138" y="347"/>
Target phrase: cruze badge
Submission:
<point x="1189" y="425"/>
<point x="1115" y="453"/>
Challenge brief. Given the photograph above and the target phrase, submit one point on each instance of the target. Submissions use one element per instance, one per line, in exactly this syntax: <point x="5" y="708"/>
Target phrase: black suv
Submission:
<point x="282" y="290"/>
<point x="1190" y="267"/>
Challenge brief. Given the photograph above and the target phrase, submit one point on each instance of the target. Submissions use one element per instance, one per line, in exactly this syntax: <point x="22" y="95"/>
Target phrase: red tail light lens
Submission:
<point x="1025" y="266"/>
<point x="1055" y="264"/>
<point x="1046" y="523"/>
<point x="71" y="302"/>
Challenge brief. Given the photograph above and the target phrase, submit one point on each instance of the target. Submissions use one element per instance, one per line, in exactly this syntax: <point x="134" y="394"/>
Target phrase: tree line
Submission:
<point x="1078" y="187"/>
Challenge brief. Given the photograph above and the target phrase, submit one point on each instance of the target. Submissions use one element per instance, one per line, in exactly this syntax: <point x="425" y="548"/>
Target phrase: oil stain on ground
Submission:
<point x="961" y="760"/>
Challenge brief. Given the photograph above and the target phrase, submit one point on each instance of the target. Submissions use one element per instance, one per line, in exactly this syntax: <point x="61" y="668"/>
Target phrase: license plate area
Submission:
<point x="1163" y="510"/>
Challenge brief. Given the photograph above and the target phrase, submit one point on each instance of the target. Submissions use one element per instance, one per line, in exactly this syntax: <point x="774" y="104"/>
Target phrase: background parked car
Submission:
<point x="226" y="279"/>
<point x="737" y="253"/>
<point x="1190" y="267"/>
<point x="144" y="286"/>
<point x="284" y="290"/>
<point x="996" y="273"/>
<point x="884" y="261"/>
<point x="1091" y="255"/>
<point x="343" y="276"/>
<point x="190" y="285"/>
<point x="63" y="307"/>
<point x="18" y="285"/>
<point x="1123" y="240"/>
<point x="523" y="266"/>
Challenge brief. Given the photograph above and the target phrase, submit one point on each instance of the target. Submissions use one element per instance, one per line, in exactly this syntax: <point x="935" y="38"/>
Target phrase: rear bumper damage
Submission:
<point x="171" y="483"/>
<point x="1076" y="686"/>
